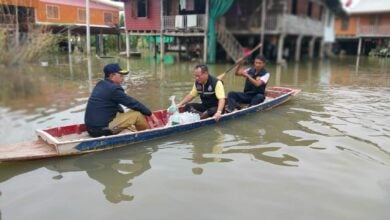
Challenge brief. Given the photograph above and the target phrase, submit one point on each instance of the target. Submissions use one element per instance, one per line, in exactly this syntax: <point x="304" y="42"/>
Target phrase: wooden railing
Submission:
<point x="184" y="22"/>
<point x="7" y="19"/>
<point x="278" y="23"/>
<point x="374" y="30"/>
<point x="292" y="24"/>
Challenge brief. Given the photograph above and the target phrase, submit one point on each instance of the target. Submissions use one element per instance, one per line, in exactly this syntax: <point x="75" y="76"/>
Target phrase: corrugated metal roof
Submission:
<point x="370" y="6"/>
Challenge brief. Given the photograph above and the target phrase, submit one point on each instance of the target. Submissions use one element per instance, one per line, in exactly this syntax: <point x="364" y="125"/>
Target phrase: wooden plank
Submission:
<point x="27" y="150"/>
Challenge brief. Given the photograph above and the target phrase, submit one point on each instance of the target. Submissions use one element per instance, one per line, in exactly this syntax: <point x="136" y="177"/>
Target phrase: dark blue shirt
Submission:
<point x="252" y="89"/>
<point x="103" y="104"/>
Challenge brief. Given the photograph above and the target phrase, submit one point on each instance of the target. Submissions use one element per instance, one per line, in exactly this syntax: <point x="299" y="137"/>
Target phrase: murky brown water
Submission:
<point x="324" y="155"/>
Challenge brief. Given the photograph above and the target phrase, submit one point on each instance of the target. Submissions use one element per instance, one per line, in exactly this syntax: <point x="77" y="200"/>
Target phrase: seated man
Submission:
<point x="255" y="83"/>
<point x="104" y="115"/>
<point x="211" y="92"/>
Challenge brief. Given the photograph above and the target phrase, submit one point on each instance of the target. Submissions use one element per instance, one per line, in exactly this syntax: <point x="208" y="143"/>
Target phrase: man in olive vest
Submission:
<point x="211" y="92"/>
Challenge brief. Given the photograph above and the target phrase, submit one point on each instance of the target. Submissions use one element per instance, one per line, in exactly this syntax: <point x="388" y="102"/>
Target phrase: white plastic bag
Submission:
<point x="188" y="117"/>
<point x="176" y="118"/>
<point x="173" y="113"/>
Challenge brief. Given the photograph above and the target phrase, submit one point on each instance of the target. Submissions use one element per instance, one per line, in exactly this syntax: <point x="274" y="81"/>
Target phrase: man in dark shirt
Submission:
<point x="105" y="116"/>
<point x="256" y="79"/>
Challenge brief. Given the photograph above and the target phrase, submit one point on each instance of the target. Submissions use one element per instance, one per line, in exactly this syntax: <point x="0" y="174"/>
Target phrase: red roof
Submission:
<point x="80" y="3"/>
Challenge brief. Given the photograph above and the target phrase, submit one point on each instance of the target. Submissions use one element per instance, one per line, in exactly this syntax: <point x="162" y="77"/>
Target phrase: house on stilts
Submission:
<point x="287" y="29"/>
<point x="366" y="29"/>
<point x="59" y="17"/>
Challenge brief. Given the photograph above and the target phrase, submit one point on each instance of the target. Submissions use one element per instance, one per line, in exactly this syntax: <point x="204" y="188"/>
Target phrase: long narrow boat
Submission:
<point x="73" y="139"/>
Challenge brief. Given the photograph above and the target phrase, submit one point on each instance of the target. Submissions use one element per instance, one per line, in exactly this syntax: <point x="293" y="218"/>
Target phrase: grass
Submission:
<point x="37" y="43"/>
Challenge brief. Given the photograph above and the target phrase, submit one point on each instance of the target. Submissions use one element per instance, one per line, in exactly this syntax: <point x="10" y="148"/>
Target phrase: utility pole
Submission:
<point x="263" y="11"/>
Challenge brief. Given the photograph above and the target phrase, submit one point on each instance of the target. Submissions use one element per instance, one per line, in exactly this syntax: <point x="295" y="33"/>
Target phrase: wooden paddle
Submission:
<point x="220" y="77"/>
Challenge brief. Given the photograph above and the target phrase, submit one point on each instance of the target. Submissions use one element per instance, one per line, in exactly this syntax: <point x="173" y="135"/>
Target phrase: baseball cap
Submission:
<point x="113" y="68"/>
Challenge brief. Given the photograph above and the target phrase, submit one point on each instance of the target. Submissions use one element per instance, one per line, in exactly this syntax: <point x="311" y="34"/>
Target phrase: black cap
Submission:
<point x="113" y="68"/>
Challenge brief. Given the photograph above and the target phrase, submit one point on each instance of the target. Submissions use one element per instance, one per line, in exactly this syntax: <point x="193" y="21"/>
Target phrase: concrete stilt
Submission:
<point x="280" y="59"/>
<point x="69" y="42"/>
<point x="162" y="44"/>
<point x="311" y="47"/>
<point x="359" y="49"/>
<point x="119" y="45"/>
<point x="101" y="44"/>
<point x="127" y="44"/>
<point x="298" y="46"/>
<point x="205" y="41"/>
<point x="322" y="49"/>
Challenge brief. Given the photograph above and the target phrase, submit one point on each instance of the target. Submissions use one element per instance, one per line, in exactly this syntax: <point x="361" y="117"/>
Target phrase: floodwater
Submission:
<point x="323" y="155"/>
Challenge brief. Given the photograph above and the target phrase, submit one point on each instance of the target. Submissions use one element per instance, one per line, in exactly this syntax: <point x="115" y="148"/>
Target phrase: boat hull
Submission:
<point x="52" y="142"/>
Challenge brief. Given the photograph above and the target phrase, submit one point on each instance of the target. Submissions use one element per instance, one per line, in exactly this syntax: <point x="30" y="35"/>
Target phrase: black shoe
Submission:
<point x="227" y="110"/>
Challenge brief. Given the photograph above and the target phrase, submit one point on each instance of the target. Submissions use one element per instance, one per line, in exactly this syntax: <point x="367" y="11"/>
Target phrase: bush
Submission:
<point x="37" y="43"/>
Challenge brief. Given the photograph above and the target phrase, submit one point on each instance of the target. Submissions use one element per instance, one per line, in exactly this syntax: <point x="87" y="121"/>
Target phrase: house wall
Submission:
<point x="316" y="11"/>
<point x="302" y="7"/>
<point x="379" y="19"/>
<point x="69" y="14"/>
<point x="25" y="3"/>
<point x="151" y="23"/>
<point x="350" y="31"/>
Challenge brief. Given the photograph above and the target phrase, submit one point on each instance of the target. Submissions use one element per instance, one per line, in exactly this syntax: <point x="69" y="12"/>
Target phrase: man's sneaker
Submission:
<point x="227" y="110"/>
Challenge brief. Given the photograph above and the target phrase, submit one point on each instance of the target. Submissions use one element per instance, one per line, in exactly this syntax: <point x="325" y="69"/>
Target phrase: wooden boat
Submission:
<point x="73" y="139"/>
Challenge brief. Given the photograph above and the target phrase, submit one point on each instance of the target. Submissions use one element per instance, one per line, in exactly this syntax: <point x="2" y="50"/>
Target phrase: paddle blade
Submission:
<point x="246" y="51"/>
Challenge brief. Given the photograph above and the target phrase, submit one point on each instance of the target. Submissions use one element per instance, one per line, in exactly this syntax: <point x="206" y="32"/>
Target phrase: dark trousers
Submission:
<point x="236" y="98"/>
<point x="203" y="111"/>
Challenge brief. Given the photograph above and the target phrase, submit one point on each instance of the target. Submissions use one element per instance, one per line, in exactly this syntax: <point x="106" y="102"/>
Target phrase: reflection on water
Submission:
<point x="353" y="119"/>
<point x="330" y="142"/>
<point x="114" y="172"/>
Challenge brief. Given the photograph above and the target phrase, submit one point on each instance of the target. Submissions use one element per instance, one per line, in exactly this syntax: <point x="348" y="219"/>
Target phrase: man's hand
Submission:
<point x="156" y="122"/>
<point x="238" y="71"/>
<point x="217" y="115"/>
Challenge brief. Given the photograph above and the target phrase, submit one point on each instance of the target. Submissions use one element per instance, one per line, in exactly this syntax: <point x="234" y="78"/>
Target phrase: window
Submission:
<point x="309" y="9"/>
<point x="142" y="8"/>
<point x="139" y="8"/>
<point x="344" y="24"/>
<point x="81" y="14"/>
<point x="107" y="18"/>
<point x="294" y="7"/>
<point x="52" y="12"/>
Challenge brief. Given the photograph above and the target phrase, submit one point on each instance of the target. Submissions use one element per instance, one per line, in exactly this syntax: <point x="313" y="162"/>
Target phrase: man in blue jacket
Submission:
<point x="105" y="116"/>
<point x="256" y="79"/>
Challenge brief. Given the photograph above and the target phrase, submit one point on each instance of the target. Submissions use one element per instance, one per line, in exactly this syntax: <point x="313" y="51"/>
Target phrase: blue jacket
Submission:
<point x="252" y="89"/>
<point x="103" y="104"/>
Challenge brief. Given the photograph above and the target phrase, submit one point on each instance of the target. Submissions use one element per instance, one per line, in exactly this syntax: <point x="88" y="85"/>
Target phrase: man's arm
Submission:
<point x="258" y="81"/>
<point x="220" y="93"/>
<point x="188" y="98"/>
<point x="238" y="71"/>
<point x="122" y="98"/>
